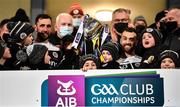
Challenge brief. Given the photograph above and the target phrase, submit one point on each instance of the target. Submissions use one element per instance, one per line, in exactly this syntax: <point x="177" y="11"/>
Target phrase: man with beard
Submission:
<point x="43" y="28"/>
<point x="128" y="59"/>
<point x="172" y="26"/>
<point x="120" y="21"/>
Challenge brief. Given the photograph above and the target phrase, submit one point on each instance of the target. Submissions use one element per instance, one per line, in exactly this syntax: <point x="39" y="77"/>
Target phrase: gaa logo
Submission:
<point x="124" y="89"/>
<point x="104" y="89"/>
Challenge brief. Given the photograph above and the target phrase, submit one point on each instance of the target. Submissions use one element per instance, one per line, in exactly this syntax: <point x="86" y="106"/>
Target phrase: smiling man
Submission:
<point x="128" y="41"/>
<point x="43" y="27"/>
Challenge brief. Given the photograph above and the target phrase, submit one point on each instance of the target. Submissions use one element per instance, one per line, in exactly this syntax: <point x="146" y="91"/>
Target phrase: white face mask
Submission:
<point x="65" y="30"/>
<point x="76" y="22"/>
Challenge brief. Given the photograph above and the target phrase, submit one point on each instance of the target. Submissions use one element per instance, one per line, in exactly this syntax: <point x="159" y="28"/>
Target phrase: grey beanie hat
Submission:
<point x="170" y="54"/>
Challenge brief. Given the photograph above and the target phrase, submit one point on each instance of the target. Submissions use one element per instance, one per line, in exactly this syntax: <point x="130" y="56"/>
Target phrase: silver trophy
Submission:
<point x="92" y="28"/>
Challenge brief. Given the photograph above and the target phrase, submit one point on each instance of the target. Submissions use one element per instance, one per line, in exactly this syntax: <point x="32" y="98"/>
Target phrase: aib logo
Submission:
<point x="66" y="91"/>
<point x="66" y="86"/>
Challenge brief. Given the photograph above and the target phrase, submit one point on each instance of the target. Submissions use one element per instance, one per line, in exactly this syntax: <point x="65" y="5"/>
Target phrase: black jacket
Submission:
<point x="110" y="65"/>
<point x="173" y="40"/>
<point x="151" y="56"/>
<point x="13" y="63"/>
<point x="70" y="60"/>
<point x="3" y="68"/>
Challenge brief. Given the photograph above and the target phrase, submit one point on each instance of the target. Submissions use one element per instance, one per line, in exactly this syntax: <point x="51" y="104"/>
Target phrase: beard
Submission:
<point x="128" y="49"/>
<point x="42" y="36"/>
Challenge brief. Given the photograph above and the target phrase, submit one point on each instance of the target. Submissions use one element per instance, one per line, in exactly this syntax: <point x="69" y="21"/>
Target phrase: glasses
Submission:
<point x="121" y="20"/>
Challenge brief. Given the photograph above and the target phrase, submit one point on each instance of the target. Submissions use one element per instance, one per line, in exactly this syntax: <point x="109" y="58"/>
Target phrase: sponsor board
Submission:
<point x="124" y="91"/>
<point x="121" y="90"/>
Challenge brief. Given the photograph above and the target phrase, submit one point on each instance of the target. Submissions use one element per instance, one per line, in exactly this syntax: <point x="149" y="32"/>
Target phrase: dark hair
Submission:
<point x="20" y="16"/>
<point x="42" y="16"/>
<point x="3" y="22"/>
<point x="130" y="29"/>
<point x="160" y="15"/>
<point x="92" y="57"/>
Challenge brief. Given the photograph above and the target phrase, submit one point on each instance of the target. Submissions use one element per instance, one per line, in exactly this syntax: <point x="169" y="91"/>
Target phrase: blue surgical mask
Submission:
<point x="65" y="30"/>
<point x="76" y="22"/>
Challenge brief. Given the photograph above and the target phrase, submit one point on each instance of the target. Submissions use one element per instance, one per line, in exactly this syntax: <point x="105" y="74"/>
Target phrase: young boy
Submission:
<point x="169" y="59"/>
<point x="110" y="53"/>
<point x="151" y="48"/>
<point x="89" y="62"/>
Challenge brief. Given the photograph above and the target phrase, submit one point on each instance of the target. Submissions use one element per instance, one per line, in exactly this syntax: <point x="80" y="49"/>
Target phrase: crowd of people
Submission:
<point x="79" y="41"/>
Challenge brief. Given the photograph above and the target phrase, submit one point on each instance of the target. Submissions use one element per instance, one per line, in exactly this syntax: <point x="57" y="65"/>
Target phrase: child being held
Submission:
<point x="110" y="53"/>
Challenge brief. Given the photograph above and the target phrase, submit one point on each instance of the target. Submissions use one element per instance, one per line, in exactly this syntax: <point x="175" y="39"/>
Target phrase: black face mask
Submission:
<point x="41" y="37"/>
<point x="140" y="28"/>
<point x="168" y="27"/>
<point x="120" y="27"/>
<point x="6" y="37"/>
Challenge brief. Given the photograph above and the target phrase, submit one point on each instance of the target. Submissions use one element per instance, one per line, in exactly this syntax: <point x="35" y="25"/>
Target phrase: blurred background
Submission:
<point x="147" y="8"/>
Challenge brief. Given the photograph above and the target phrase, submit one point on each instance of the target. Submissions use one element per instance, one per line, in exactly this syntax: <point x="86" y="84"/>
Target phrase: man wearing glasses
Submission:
<point x="120" y="21"/>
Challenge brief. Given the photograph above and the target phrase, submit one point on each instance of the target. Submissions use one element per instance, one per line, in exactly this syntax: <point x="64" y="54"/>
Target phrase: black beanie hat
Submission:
<point x="36" y="53"/>
<point x="66" y="40"/>
<point x="19" y="30"/>
<point x="2" y="49"/>
<point x="155" y="33"/>
<point x="84" y="58"/>
<point x="170" y="54"/>
<point x="112" y="48"/>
